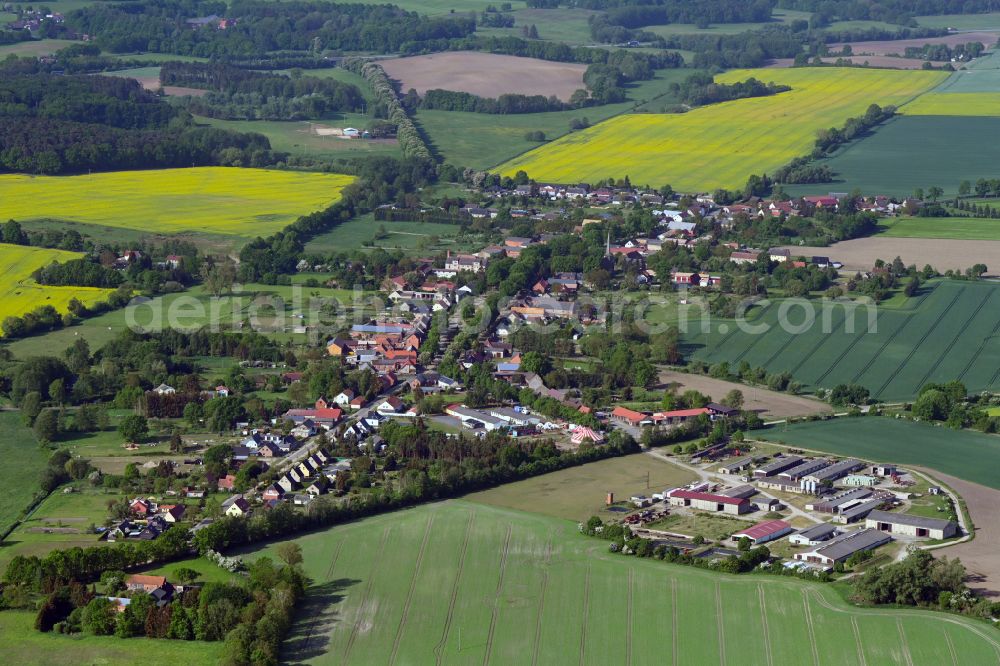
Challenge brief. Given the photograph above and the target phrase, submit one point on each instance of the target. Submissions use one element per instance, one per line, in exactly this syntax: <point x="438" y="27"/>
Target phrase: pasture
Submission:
<point x="948" y="332"/>
<point x="35" y="48"/>
<point x="366" y="232"/>
<point x="913" y="151"/>
<point x="464" y="583"/>
<point x="966" y="228"/>
<point x="722" y="144"/>
<point x="19" y="293"/>
<point x="22" y="645"/>
<point x="216" y="200"/>
<point x="306" y="138"/>
<point x="483" y="140"/>
<point x="23" y="462"/>
<point x="486" y="74"/>
<point x="966" y="454"/>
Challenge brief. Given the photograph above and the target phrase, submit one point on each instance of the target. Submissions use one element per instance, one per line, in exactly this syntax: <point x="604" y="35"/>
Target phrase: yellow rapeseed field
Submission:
<point x="954" y="104"/>
<point x="20" y="294"/>
<point x="212" y="200"/>
<point x="722" y="144"/>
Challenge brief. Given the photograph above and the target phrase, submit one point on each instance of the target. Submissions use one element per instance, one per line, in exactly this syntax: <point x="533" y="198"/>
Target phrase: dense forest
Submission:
<point x="449" y="100"/>
<point x="236" y="93"/>
<point x="72" y="124"/>
<point x="703" y="12"/>
<point x="255" y="27"/>
<point x="889" y="11"/>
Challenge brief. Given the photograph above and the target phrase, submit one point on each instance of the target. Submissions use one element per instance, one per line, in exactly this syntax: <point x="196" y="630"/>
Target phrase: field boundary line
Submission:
<point x="364" y="600"/>
<point x="914" y="348"/>
<point x="586" y="612"/>
<point x="628" y="619"/>
<point x="951" y="648"/>
<point x="982" y="346"/>
<point x="496" y="598"/>
<point x="954" y="340"/>
<point x="409" y="593"/>
<point x="438" y="649"/>
<point x="858" y="643"/>
<point x="720" y="624"/>
<point x="541" y="602"/>
<point x="763" y="619"/>
<point x="673" y="617"/>
<point x="810" y="627"/>
<point x="843" y="354"/>
<point x="881" y="349"/>
<point x="902" y="642"/>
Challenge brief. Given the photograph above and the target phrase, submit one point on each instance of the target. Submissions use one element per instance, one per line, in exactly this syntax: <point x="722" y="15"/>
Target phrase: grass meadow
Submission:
<point x="22" y="645"/>
<point x="363" y="230"/>
<point x="722" y="144"/>
<point x="968" y="455"/>
<point x="19" y="293"/>
<point x="459" y="582"/>
<point x="296" y="136"/>
<point x="23" y="462"/>
<point x="215" y="200"/>
<point x="962" y="228"/>
<point x="948" y="332"/>
<point x="914" y="151"/>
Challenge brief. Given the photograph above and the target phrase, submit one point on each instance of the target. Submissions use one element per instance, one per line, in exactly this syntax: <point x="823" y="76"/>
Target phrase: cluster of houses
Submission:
<point x="147" y="521"/>
<point x="387" y="347"/>
<point x="301" y="483"/>
<point x="158" y="587"/>
<point x="673" y="417"/>
<point x="30" y="18"/>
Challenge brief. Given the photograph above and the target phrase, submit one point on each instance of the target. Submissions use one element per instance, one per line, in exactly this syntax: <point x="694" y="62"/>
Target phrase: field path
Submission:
<point x="409" y="593"/>
<point x="809" y="625"/>
<point x="364" y="599"/>
<point x="439" y="648"/>
<point x="763" y="620"/>
<point x="720" y="623"/>
<point x="496" y="599"/>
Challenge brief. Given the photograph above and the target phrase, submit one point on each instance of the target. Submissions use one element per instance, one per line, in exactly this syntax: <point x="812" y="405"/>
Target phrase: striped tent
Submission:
<point x="582" y="433"/>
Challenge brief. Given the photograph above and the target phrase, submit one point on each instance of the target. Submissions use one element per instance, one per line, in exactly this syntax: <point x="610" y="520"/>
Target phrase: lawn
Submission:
<point x="968" y="228"/>
<point x="464" y="583"/>
<point x="483" y="140"/>
<point x="19" y="293"/>
<point x="362" y="231"/>
<point x="579" y="492"/>
<point x="914" y="151"/>
<point x="969" y="455"/>
<point x="208" y="572"/>
<point x="298" y="138"/>
<point x="943" y="334"/>
<point x="22" y="645"/>
<point x="215" y="200"/>
<point x="722" y="144"/>
<point x="23" y="462"/>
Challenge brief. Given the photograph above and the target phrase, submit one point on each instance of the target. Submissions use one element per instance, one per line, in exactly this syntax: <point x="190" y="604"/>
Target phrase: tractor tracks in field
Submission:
<point x="439" y="648"/>
<point x="954" y="340"/>
<point x="720" y="624"/>
<point x="496" y="599"/>
<point x="763" y="620"/>
<point x="811" y="628"/>
<point x="586" y="612"/>
<point x="365" y="597"/>
<point x="409" y="593"/>
<point x="541" y="602"/>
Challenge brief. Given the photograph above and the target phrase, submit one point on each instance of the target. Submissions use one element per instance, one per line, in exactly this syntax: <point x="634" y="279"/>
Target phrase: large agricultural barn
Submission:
<point x="914" y="526"/>
<point x="840" y="548"/>
<point x="710" y="502"/>
<point x="768" y="530"/>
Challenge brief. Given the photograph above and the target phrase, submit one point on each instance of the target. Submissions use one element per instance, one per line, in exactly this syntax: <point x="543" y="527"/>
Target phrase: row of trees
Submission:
<point x="410" y="140"/>
<point x="449" y="100"/>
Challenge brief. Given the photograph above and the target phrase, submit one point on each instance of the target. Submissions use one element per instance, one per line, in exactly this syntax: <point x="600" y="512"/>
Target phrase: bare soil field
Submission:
<point x="861" y="253"/>
<point x="887" y="62"/>
<point x="898" y="46"/>
<point x="486" y="74"/>
<point x="153" y="83"/>
<point x="981" y="556"/>
<point x="769" y="404"/>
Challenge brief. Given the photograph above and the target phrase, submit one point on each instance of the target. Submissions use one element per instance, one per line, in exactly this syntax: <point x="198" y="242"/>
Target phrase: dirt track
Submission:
<point x="860" y="254"/>
<point x="770" y="404"/>
<point x="981" y="556"/>
<point x="485" y="74"/>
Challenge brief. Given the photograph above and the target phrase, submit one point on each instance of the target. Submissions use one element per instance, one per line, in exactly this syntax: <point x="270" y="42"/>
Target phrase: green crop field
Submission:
<point x="967" y="228"/>
<point x="19" y="293"/>
<point x="464" y="583"/>
<point x="953" y="103"/>
<point x="215" y="200"/>
<point x="23" y="462"/>
<point x="949" y="332"/>
<point x="483" y="140"/>
<point x="22" y="645"/>
<point x="36" y="48"/>
<point x="362" y="231"/>
<point x="570" y="26"/>
<point x="722" y="144"/>
<point x="914" y="151"/>
<point x="989" y="21"/>
<point x="298" y="138"/>
<point x="969" y="455"/>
